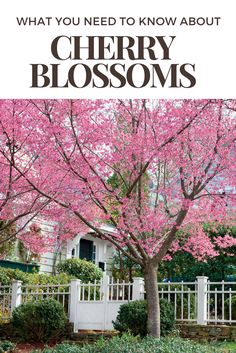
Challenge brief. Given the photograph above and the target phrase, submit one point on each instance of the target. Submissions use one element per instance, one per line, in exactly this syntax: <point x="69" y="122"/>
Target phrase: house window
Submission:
<point x="86" y="250"/>
<point x="73" y="253"/>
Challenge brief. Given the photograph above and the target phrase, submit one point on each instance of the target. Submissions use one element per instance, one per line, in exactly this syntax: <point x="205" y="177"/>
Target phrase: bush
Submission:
<point x="132" y="317"/>
<point x="167" y="314"/>
<point x="84" y="270"/>
<point x="42" y="278"/>
<point x="6" y="346"/>
<point x="7" y="275"/>
<point x="129" y="344"/>
<point x="39" y="321"/>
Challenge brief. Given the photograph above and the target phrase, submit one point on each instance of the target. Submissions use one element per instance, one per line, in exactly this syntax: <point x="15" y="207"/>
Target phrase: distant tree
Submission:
<point x="184" y="266"/>
<point x="124" y="268"/>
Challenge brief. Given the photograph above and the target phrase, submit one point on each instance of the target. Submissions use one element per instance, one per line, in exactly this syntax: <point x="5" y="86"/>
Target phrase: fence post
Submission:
<point x="16" y="297"/>
<point x="105" y="287"/>
<point x="202" y="300"/>
<point x="105" y="290"/>
<point x="138" y="288"/>
<point x="74" y="298"/>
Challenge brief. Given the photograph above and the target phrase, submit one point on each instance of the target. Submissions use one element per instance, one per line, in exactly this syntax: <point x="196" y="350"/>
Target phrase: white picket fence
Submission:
<point x="16" y="294"/>
<point x="95" y="305"/>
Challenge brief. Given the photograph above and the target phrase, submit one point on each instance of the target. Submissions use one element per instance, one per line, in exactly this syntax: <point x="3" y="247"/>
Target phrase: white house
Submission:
<point x="83" y="246"/>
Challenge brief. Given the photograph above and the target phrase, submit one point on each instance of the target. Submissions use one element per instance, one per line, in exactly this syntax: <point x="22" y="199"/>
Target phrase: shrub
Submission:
<point x="42" y="278"/>
<point x="132" y="317"/>
<point x="84" y="270"/>
<point x="6" y="346"/>
<point x="129" y="344"/>
<point x="7" y="275"/>
<point x="40" y="320"/>
<point x="167" y="316"/>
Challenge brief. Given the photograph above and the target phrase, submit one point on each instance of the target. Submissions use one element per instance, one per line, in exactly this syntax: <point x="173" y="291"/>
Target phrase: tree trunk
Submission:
<point x="153" y="306"/>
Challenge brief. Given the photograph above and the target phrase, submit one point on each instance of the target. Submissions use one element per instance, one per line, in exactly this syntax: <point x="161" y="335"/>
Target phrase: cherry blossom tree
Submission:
<point x="19" y="203"/>
<point x="154" y="169"/>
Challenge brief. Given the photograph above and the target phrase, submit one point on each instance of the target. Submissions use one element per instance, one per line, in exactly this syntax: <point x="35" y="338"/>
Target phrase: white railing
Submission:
<point x="59" y="292"/>
<point x="221" y="302"/>
<point x="119" y="290"/>
<point x="16" y="294"/>
<point x="183" y="296"/>
<point x="201" y="301"/>
<point x="90" y="291"/>
<point x="116" y="290"/>
<point x="96" y="305"/>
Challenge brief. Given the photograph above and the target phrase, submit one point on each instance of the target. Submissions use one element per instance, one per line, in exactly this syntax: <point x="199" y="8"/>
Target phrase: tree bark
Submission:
<point x="153" y="306"/>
